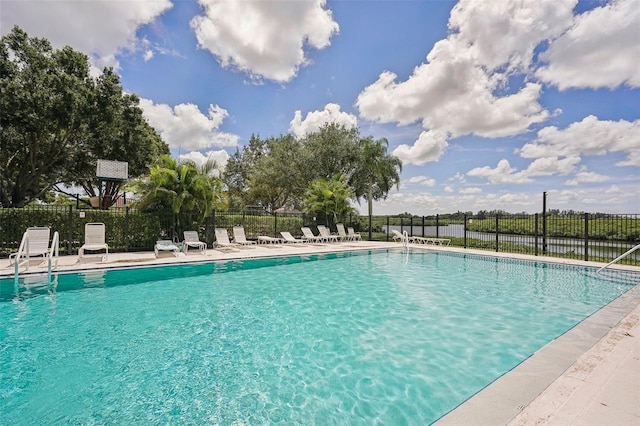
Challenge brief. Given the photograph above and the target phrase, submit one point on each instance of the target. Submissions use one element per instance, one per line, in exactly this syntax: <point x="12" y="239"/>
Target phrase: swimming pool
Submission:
<point x="372" y="338"/>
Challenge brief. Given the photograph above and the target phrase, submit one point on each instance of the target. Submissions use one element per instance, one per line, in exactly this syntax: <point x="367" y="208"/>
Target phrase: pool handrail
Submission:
<point x="53" y="253"/>
<point x="24" y="246"/>
<point x="622" y="256"/>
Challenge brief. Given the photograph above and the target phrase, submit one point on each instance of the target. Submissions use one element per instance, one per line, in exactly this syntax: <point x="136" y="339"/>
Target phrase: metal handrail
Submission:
<point x="53" y="252"/>
<point x="622" y="256"/>
<point x="24" y="245"/>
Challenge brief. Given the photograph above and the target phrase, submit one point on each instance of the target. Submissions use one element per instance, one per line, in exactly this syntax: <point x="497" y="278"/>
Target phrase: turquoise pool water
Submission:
<point x="354" y="338"/>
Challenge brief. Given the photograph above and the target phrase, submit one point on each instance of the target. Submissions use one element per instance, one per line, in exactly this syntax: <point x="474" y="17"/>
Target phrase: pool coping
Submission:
<point x="510" y="396"/>
<point x="510" y="399"/>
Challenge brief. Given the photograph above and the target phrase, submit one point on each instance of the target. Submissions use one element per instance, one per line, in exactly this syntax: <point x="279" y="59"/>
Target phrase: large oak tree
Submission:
<point x="56" y="121"/>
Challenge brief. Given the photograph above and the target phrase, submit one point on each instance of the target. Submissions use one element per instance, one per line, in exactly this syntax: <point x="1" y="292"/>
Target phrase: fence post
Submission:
<point x="211" y="224"/>
<point x="465" y="230"/>
<point x="173" y="227"/>
<point x="411" y="225"/>
<point x="275" y="223"/>
<point x="388" y="229"/>
<point x="544" y="223"/>
<point x="422" y="226"/>
<point x="586" y="236"/>
<point x="438" y="225"/>
<point x="126" y="229"/>
<point x="497" y="231"/>
<point x="535" y="232"/>
<point x="70" y="234"/>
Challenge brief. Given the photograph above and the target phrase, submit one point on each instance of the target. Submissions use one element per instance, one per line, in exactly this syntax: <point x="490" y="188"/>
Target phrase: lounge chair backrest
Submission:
<point x="222" y="237"/>
<point x="287" y="236"/>
<point x="94" y="233"/>
<point x="306" y="231"/>
<point x="238" y="234"/>
<point x="341" y="230"/>
<point x="191" y="236"/>
<point x="352" y="232"/>
<point x="324" y="231"/>
<point x="38" y="240"/>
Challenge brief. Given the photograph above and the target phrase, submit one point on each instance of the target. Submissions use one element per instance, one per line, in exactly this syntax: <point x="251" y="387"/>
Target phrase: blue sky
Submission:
<point x="488" y="103"/>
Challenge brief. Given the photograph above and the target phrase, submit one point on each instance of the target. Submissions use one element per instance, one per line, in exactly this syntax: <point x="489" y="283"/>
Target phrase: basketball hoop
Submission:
<point x="110" y="171"/>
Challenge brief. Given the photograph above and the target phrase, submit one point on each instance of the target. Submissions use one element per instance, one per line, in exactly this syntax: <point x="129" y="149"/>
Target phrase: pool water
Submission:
<point x="353" y="338"/>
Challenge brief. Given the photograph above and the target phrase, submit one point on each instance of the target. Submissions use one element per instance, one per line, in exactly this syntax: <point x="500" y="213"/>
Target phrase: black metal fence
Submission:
<point x="128" y="229"/>
<point x="596" y="237"/>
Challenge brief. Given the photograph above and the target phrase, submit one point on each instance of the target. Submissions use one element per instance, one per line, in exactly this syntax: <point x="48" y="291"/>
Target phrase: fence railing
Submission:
<point x="596" y="237"/>
<point x="129" y="229"/>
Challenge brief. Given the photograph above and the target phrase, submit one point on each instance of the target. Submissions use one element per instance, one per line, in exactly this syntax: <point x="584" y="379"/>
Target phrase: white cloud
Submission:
<point x="584" y="176"/>
<point x="472" y="190"/>
<point x="503" y="173"/>
<point x="601" y="49"/>
<point x="499" y="33"/>
<point x="459" y="177"/>
<point x="587" y="137"/>
<point x="462" y="87"/>
<point x="595" y="198"/>
<point x="148" y="55"/>
<point x="548" y="166"/>
<point x="422" y="180"/>
<point x="429" y="147"/>
<point x="453" y="95"/>
<point x="448" y="189"/>
<point x="185" y="127"/>
<point x="220" y="157"/>
<point x="582" y="198"/>
<point x="264" y="38"/>
<point x="316" y="119"/>
<point x="633" y="159"/>
<point x="99" y="28"/>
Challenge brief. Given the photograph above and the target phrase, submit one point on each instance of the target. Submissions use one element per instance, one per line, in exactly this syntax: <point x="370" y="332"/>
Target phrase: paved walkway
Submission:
<point x="599" y="386"/>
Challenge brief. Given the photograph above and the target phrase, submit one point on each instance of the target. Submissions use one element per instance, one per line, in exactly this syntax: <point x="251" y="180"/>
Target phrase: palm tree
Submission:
<point x="329" y="197"/>
<point x="191" y="192"/>
<point x="378" y="172"/>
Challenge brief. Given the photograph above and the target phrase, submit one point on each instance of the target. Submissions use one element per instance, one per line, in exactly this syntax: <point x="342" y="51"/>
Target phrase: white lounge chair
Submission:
<point x="94" y="240"/>
<point x="263" y="239"/>
<point x="166" y="245"/>
<point x="288" y="238"/>
<point x="191" y="239"/>
<point x="398" y="236"/>
<point x="222" y="239"/>
<point x="328" y="236"/>
<point x="442" y="241"/>
<point x="308" y="234"/>
<point x="342" y="233"/>
<point x="432" y="240"/>
<point x="37" y="244"/>
<point x="240" y="237"/>
<point x="353" y="234"/>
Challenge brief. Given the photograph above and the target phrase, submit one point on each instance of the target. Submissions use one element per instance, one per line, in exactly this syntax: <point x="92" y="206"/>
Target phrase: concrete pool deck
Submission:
<point x="588" y="376"/>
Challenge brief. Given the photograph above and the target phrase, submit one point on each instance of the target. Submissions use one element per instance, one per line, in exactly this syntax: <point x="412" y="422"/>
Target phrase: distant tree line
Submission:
<point x="277" y="172"/>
